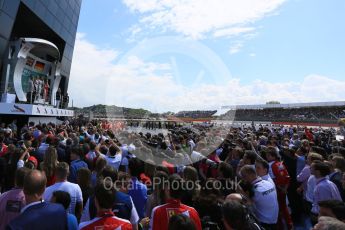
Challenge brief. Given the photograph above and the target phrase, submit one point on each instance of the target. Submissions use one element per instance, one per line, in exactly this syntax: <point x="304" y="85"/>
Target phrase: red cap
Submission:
<point x="33" y="160"/>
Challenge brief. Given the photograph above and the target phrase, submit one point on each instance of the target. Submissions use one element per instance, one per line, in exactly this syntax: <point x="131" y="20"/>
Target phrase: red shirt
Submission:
<point x="3" y="150"/>
<point x="161" y="214"/>
<point x="106" y="221"/>
<point x="280" y="173"/>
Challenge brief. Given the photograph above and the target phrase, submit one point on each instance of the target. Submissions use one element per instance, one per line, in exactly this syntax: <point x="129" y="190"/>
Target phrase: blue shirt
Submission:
<point x="75" y="166"/>
<point x="324" y="190"/>
<point x="138" y="192"/>
<point x="300" y="164"/>
<point x="72" y="222"/>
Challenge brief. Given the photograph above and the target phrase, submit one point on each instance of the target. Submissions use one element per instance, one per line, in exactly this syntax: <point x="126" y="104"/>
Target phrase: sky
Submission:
<point x="172" y="55"/>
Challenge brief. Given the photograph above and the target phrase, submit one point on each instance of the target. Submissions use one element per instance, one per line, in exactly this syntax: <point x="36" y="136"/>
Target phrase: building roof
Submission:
<point x="286" y="106"/>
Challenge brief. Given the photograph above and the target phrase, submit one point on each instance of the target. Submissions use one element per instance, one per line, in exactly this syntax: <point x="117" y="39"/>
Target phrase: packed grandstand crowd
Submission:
<point x="325" y="115"/>
<point x="101" y="175"/>
<point x="312" y="114"/>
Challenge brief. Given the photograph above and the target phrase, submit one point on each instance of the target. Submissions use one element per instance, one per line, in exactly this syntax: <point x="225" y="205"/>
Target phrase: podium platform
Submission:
<point x="34" y="110"/>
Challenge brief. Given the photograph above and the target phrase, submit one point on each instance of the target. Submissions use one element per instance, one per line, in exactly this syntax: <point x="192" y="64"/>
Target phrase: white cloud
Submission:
<point x="236" y="47"/>
<point x="96" y="78"/>
<point x="229" y="32"/>
<point x="252" y="54"/>
<point x="197" y="18"/>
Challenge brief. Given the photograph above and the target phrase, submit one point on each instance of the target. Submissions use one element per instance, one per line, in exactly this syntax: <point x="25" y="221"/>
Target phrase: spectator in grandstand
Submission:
<point x="38" y="214"/>
<point x="161" y="214"/>
<point x="76" y="163"/>
<point x="61" y="172"/>
<point x="63" y="198"/>
<point x="11" y="202"/>
<point x="324" y="189"/>
<point x="265" y="203"/>
<point x="104" y="200"/>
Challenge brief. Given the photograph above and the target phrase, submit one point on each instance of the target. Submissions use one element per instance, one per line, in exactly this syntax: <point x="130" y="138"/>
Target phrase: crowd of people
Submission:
<point x="312" y="114"/>
<point x="92" y="175"/>
<point x="196" y="114"/>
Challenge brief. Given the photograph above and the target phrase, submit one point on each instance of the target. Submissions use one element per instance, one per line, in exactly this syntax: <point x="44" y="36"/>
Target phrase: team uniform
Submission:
<point x="281" y="179"/>
<point x="265" y="201"/>
<point x="161" y="214"/>
<point x="106" y="221"/>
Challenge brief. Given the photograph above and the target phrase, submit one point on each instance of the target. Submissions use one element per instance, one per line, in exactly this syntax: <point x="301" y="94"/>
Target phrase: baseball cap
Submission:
<point x="33" y="160"/>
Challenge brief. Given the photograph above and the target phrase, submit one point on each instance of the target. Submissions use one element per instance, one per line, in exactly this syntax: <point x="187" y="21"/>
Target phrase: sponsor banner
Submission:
<point x="37" y="110"/>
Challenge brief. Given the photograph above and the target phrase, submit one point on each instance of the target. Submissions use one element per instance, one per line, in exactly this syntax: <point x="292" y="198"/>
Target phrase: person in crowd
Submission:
<point x="262" y="169"/>
<point x="138" y="191"/>
<point x="38" y="214"/>
<point x="281" y="178"/>
<point x="329" y="223"/>
<point x="76" y="163"/>
<point x="58" y="96"/>
<point x="336" y="165"/>
<point x="44" y="147"/>
<point x="161" y="214"/>
<point x="236" y="216"/>
<point x="49" y="164"/>
<point x="114" y="156"/>
<point x="61" y="184"/>
<point x="63" y="198"/>
<point x="122" y="206"/>
<point x="84" y="182"/>
<point x="265" y="202"/>
<point x="190" y="175"/>
<point x="158" y="196"/>
<point x="100" y="164"/>
<point x="208" y="203"/>
<point x="180" y="221"/>
<point x="12" y="201"/>
<point x="324" y="188"/>
<point x="105" y="219"/>
<point x="332" y="208"/>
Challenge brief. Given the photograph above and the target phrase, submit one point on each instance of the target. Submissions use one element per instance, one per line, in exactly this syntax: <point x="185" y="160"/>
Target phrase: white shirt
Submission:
<point x="196" y="156"/>
<point x="267" y="177"/>
<point x="114" y="161"/>
<point x="270" y="172"/>
<point x="73" y="190"/>
<point x="265" y="200"/>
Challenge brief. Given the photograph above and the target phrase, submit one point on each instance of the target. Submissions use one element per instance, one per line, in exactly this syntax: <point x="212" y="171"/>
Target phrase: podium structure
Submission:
<point x="36" y="49"/>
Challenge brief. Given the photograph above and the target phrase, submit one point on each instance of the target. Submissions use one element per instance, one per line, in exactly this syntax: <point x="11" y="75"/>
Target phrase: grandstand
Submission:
<point x="196" y="114"/>
<point x="315" y="113"/>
